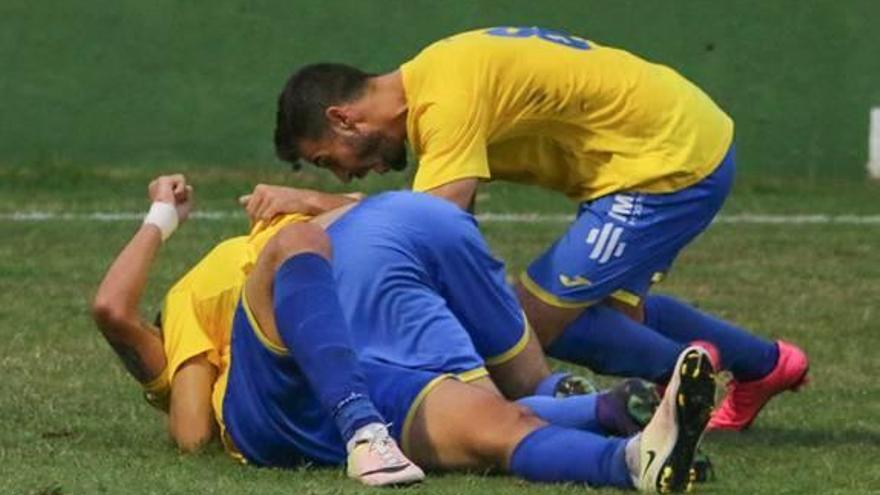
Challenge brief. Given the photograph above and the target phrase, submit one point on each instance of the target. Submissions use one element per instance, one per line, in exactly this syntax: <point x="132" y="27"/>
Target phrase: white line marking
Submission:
<point x="527" y="218"/>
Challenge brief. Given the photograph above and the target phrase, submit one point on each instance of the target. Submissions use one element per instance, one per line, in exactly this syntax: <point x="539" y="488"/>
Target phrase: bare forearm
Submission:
<point x="321" y="202"/>
<point x="462" y="192"/>
<point x="120" y="291"/>
<point x="140" y="349"/>
<point x="115" y="308"/>
<point x="137" y="343"/>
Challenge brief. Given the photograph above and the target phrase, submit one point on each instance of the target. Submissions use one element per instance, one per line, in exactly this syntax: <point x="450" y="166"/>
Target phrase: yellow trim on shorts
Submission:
<point x="515" y="350"/>
<point x="229" y="446"/>
<point x="658" y="277"/>
<point x="225" y="439"/>
<point x="473" y="375"/>
<point x="626" y="297"/>
<point x="539" y="292"/>
<point x="268" y="344"/>
<point x="414" y="406"/>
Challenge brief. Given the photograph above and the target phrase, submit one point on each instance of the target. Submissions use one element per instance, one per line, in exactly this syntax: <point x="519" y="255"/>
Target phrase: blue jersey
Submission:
<point x="420" y="287"/>
<point x="424" y="300"/>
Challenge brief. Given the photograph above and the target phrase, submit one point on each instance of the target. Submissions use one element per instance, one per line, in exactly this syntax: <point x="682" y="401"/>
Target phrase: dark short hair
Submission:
<point x="305" y="99"/>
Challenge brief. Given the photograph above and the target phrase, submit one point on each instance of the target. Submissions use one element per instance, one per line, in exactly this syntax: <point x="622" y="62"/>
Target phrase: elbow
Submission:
<point x="193" y="439"/>
<point x="109" y="315"/>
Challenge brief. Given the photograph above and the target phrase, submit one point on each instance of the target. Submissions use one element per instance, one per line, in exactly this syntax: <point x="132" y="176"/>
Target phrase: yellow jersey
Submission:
<point x="540" y="107"/>
<point x="199" y="309"/>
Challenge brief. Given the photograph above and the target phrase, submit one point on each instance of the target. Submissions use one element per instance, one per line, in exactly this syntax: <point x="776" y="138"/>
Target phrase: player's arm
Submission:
<point x="267" y="201"/>
<point x="462" y="192"/>
<point x="191" y="417"/>
<point x="115" y="307"/>
<point x="454" y="153"/>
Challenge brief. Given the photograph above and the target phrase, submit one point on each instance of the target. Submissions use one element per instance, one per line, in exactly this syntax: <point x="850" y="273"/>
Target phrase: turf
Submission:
<point x="73" y="422"/>
<point x="112" y="81"/>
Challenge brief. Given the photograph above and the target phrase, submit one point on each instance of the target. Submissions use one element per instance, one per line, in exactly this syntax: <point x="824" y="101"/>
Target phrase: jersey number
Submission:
<point x="550" y="35"/>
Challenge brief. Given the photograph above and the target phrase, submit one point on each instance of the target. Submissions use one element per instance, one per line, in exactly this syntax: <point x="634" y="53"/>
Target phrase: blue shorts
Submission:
<point x="272" y="418"/>
<point x="621" y="244"/>
<point x="420" y="288"/>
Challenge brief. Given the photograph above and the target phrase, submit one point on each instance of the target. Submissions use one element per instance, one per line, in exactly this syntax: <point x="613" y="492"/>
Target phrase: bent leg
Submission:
<point x="747" y="356"/>
<point x="609" y="342"/>
<point x="473" y="284"/>
<point x="458" y="426"/>
<point x="292" y="296"/>
<point x="548" y="321"/>
<point x="618" y="246"/>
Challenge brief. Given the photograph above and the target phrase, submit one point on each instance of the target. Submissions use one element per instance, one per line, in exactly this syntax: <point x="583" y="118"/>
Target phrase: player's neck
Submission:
<point x="386" y="100"/>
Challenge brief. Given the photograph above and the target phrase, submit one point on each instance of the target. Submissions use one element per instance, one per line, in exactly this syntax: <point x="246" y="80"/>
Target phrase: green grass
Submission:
<point x="73" y="422"/>
<point x="110" y="81"/>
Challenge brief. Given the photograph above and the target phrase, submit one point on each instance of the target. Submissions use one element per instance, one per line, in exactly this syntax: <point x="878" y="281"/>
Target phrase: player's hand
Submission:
<point x="265" y="202"/>
<point x="174" y="190"/>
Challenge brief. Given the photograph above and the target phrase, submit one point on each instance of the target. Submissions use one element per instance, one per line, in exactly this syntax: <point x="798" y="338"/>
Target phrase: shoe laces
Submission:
<point x="382" y="444"/>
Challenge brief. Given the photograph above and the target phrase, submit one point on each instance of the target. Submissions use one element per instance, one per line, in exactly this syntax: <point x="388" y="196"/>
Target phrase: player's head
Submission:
<point x="319" y="121"/>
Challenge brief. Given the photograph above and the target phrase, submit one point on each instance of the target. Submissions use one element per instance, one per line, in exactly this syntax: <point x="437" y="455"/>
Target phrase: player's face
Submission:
<point x="355" y="154"/>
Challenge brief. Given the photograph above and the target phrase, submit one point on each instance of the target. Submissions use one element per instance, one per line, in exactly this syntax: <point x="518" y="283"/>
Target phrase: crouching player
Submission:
<point x="269" y="415"/>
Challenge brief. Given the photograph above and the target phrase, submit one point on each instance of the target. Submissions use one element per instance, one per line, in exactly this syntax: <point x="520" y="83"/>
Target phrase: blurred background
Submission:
<point x="99" y="96"/>
<point x="167" y="83"/>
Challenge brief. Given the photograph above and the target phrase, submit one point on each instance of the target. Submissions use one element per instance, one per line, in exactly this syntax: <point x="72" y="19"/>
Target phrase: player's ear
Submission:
<point x="340" y="119"/>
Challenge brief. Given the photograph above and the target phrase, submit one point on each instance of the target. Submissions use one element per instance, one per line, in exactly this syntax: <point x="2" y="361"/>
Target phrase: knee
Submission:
<point x="296" y="239"/>
<point x="502" y="427"/>
<point x="547" y="321"/>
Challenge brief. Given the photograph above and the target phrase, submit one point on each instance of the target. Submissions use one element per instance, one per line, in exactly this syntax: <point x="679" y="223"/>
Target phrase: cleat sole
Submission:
<point x="696" y="397"/>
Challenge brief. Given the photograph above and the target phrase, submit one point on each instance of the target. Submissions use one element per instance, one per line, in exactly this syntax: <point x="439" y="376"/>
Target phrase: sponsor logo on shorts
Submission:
<point x="626" y="207"/>
<point x="606" y="242"/>
<point x="576" y="281"/>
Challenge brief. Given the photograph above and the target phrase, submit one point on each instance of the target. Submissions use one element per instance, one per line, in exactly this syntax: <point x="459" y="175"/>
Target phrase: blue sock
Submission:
<point x="609" y="342"/>
<point x="555" y="454"/>
<point x="311" y="323"/>
<point x="548" y="385"/>
<point x="577" y="411"/>
<point x="747" y="356"/>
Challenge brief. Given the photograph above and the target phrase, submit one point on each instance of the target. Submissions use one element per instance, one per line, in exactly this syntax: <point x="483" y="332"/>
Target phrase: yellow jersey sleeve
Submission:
<point x="199" y="308"/>
<point x="183" y="333"/>
<point x="454" y="144"/>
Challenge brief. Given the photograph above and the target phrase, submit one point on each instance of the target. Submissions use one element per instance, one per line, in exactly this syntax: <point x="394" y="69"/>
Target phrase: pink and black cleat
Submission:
<point x="744" y="400"/>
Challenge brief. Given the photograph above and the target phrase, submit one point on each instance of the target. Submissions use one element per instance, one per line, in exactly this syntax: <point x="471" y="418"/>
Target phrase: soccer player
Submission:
<point x="179" y="360"/>
<point x="269" y="416"/>
<point x="647" y="156"/>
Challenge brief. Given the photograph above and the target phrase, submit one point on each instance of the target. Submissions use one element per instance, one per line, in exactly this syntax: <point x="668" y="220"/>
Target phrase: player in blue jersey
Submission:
<point x="272" y="416"/>
<point x="421" y="289"/>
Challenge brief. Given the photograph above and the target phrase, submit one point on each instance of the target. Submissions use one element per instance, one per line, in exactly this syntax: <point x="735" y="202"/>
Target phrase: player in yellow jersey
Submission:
<point x="230" y="358"/>
<point x="184" y="361"/>
<point x="647" y="156"/>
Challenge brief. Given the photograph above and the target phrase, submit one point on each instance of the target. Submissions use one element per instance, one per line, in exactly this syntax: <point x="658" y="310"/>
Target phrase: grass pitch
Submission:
<point x="73" y="421"/>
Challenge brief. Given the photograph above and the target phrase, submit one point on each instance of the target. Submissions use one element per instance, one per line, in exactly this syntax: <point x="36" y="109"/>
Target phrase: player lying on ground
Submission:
<point x="190" y="370"/>
<point x="647" y="155"/>
<point x="269" y="414"/>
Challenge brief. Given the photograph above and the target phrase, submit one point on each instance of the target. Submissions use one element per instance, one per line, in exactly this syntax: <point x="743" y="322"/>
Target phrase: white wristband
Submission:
<point x="164" y="216"/>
